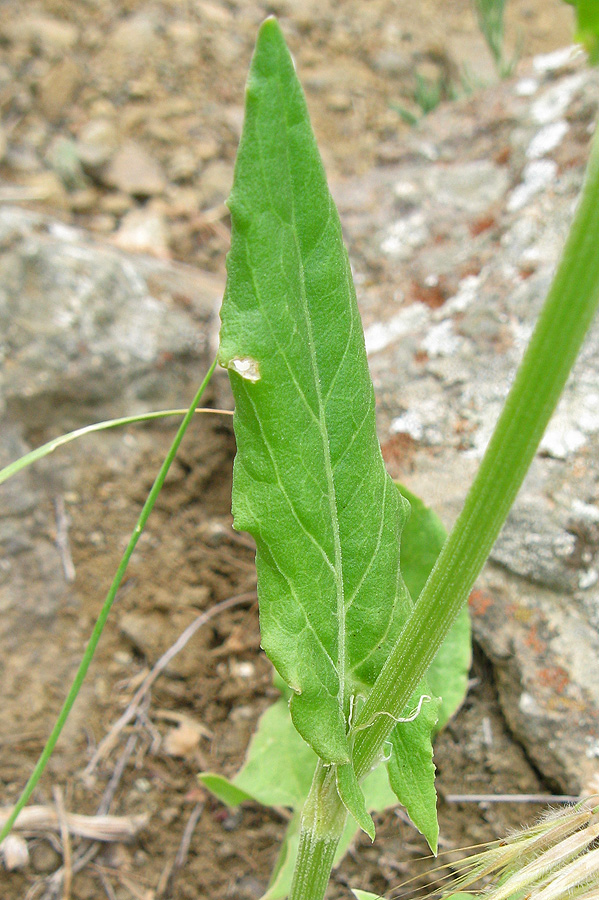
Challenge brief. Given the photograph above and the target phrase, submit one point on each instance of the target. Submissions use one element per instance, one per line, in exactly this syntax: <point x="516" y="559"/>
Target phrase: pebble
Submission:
<point x="96" y="144"/>
<point x="133" y="171"/>
<point x="84" y="200"/>
<point x="135" y="36"/>
<point x="15" y="852"/>
<point x="144" y="231"/>
<point x="116" y="204"/>
<point x="52" y="36"/>
<point x="58" y="87"/>
<point x="47" y="188"/>
<point x="215" y="182"/>
<point x="182" y="165"/>
<point x="44" y="858"/>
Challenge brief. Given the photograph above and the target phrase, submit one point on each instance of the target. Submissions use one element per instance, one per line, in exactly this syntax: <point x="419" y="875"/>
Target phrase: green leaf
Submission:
<point x="412" y="771"/>
<point x="226" y="791"/>
<point x="353" y="798"/>
<point x="278" y="769"/>
<point x="587" y="26"/>
<point x="365" y="895"/>
<point x="309" y="479"/>
<point x="421" y="541"/>
<point x="282" y="876"/>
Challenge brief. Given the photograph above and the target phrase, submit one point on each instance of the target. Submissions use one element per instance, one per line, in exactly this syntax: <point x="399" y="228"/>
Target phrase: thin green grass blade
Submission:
<point x="40" y="452"/>
<point x="309" y="480"/>
<point x="104" y="612"/>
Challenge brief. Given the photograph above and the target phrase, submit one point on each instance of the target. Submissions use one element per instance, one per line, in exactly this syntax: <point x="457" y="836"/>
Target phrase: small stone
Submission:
<point x="392" y="63"/>
<point x="22" y="158"/>
<point x="215" y="182"/>
<point x="58" y="87"/>
<point x="135" y="36"/>
<point x="102" y="224"/>
<point x="44" y="858"/>
<point x="339" y="101"/>
<point x="207" y="149"/>
<point x="182" y="165"/>
<point x="15" y="852"/>
<point x="96" y="144"/>
<point x="116" y="204"/>
<point x="144" y="231"/>
<point x="46" y="187"/>
<point x="84" y="200"/>
<point x="135" y="172"/>
<point x="183" y="202"/>
<point x="52" y="36"/>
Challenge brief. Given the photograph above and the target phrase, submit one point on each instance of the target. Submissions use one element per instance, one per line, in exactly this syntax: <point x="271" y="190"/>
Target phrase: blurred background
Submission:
<point x="123" y="119"/>
<point x="124" y="116"/>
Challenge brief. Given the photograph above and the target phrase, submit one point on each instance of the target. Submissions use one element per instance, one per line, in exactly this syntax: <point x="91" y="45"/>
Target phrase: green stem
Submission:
<point x="101" y="620"/>
<point x="323" y="818"/>
<point x="564" y="321"/>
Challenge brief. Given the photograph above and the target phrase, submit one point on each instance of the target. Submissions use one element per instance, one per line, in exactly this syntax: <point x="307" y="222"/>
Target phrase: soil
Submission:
<point x="189" y="557"/>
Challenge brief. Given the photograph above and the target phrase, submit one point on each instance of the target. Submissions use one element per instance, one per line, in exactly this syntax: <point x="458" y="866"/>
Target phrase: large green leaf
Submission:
<point x="309" y="479"/>
<point x="421" y="541"/>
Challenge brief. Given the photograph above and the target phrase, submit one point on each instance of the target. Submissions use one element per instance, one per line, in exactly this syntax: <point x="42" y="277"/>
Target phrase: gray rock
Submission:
<point x="465" y="231"/>
<point x="84" y="333"/>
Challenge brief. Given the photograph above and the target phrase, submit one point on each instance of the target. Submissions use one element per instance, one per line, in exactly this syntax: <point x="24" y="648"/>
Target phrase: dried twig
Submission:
<point x="67" y="876"/>
<point x="510" y="798"/>
<point x="106" y="884"/>
<point x="181" y="855"/>
<point x="95" y="828"/>
<point x="108" y="742"/>
<point x="194" y="818"/>
<point x="110" y="790"/>
<point x="62" y="539"/>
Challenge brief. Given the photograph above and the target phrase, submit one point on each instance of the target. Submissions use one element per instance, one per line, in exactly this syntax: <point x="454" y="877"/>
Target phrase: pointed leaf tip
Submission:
<point x="309" y="480"/>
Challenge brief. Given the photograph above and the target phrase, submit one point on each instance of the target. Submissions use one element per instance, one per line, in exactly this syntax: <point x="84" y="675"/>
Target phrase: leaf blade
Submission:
<point x="331" y="601"/>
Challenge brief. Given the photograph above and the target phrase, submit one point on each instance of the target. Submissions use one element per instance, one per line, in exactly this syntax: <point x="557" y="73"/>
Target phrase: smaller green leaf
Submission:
<point x="278" y="769"/>
<point x="353" y="798"/>
<point x="225" y="790"/>
<point x="365" y="895"/>
<point x="282" y="876"/>
<point x="412" y="771"/>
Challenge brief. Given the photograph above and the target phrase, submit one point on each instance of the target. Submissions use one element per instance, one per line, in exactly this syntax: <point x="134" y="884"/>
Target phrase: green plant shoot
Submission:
<point x="309" y="481"/>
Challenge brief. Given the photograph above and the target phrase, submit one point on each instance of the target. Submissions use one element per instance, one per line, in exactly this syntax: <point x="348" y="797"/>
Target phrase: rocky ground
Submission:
<point x="125" y="116"/>
<point x="119" y="124"/>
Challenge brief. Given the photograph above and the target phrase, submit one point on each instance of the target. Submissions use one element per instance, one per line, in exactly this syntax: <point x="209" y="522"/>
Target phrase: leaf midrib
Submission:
<point x="332" y="496"/>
